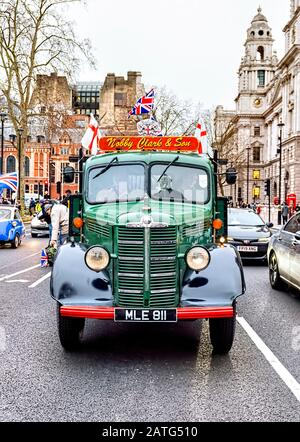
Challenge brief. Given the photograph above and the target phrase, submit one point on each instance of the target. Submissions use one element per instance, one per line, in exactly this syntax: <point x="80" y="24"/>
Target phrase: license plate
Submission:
<point x="247" y="249"/>
<point x="144" y="315"/>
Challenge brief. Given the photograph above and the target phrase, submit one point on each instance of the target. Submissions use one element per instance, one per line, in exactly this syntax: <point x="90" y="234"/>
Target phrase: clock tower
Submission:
<point x="257" y="67"/>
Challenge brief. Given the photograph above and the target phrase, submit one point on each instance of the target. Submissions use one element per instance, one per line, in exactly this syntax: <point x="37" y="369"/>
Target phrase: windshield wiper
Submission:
<point x="106" y="167"/>
<point x="169" y="165"/>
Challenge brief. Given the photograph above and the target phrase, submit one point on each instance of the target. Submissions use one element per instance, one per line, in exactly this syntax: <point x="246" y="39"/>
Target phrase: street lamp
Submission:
<point x="3" y="116"/>
<point x="20" y="132"/>
<point x="248" y="172"/>
<point x="279" y="150"/>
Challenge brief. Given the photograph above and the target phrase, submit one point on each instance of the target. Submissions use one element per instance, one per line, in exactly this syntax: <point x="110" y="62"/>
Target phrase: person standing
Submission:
<point x="60" y="223"/>
<point x="284" y="212"/>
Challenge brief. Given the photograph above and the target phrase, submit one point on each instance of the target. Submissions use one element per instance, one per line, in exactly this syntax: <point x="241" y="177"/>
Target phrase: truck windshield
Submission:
<point x="124" y="182"/>
<point x="179" y="183"/>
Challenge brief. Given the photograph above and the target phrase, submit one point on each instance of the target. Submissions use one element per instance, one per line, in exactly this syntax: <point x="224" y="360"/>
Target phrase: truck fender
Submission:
<point x="219" y="284"/>
<point x="73" y="283"/>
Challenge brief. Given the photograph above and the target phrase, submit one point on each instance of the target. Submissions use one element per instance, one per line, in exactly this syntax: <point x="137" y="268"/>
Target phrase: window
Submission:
<point x="10" y="164"/>
<point x="256" y="154"/>
<point x="257" y="131"/>
<point x="260" y="53"/>
<point x="293" y="226"/>
<point x="27" y="166"/>
<point x="64" y="151"/>
<point x="261" y="76"/>
<point x="120" y="99"/>
<point x="43" y="109"/>
<point x="52" y="173"/>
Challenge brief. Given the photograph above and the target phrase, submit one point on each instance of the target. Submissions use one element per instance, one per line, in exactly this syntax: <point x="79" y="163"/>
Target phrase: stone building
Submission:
<point x="268" y="94"/>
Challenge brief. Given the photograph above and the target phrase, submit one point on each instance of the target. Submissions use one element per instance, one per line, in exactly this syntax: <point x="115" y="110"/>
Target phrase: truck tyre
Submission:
<point x="16" y="242"/>
<point x="70" y="330"/>
<point x="274" y="275"/>
<point x="222" y="332"/>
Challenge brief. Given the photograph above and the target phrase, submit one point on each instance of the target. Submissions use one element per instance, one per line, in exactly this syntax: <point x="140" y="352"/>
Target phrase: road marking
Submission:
<point x="17" y="280"/>
<point x="39" y="280"/>
<point x="19" y="272"/>
<point x="22" y="259"/>
<point x="284" y="374"/>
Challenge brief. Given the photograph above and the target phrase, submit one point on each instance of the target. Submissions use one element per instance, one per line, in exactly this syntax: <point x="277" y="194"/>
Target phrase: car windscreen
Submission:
<point x="179" y="183"/>
<point x="244" y="218"/>
<point x="5" y="214"/>
<point x="125" y="182"/>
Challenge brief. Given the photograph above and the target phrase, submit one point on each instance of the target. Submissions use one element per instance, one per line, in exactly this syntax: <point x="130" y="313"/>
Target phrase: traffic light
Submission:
<point x="267" y="187"/>
<point x="46" y="185"/>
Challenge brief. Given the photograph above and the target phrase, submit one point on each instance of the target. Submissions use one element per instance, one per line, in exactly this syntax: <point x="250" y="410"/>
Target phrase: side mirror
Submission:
<point x="231" y="175"/>
<point x="297" y="236"/>
<point x="270" y="225"/>
<point x="69" y="174"/>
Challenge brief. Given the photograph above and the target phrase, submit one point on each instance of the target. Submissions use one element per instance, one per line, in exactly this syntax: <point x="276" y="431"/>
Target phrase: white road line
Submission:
<point x="284" y="374"/>
<point x="22" y="259"/>
<point x="39" y="280"/>
<point x="17" y="280"/>
<point x="19" y="272"/>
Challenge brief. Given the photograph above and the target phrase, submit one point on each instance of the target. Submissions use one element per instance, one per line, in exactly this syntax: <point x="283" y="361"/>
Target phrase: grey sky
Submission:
<point x="194" y="47"/>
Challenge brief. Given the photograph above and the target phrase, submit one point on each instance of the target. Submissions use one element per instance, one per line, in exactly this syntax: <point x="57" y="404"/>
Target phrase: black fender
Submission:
<point x="219" y="284"/>
<point x="73" y="283"/>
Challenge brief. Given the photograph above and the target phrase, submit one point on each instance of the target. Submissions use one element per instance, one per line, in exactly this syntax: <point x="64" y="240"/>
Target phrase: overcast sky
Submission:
<point x="193" y="47"/>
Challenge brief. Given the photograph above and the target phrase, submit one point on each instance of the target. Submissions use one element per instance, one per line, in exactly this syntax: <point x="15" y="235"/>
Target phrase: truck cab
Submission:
<point x="148" y="243"/>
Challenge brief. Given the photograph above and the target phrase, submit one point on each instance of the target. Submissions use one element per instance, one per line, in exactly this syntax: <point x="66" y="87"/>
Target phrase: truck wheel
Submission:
<point x="16" y="242"/>
<point x="70" y="330"/>
<point x="222" y="332"/>
<point x="274" y="275"/>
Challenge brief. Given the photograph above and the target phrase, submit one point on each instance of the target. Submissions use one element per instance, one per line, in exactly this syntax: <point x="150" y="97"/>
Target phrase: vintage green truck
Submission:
<point x="148" y="242"/>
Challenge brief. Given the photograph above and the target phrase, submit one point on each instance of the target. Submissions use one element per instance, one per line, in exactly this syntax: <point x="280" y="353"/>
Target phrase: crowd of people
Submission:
<point x="287" y="211"/>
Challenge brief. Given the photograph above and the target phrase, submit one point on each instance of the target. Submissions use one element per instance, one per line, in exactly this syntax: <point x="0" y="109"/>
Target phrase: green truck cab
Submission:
<point x="148" y="244"/>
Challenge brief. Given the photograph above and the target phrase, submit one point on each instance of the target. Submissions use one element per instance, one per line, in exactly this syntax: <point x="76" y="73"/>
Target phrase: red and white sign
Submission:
<point x="173" y="144"/>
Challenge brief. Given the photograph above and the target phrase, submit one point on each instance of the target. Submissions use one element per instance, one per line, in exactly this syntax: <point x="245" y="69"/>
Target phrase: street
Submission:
<point x="143" y="373"/>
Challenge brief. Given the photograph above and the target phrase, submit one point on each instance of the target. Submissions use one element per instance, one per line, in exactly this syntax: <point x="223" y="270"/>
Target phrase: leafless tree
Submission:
<point x="36" y="37"/>
<point x="176" y="117"/>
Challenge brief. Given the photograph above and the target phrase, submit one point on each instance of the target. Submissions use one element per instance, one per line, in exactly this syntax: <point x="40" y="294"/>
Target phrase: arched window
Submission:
<point x="260" y="53"/>
<point x="27" y="166"/>
<point x="10" y="164"/>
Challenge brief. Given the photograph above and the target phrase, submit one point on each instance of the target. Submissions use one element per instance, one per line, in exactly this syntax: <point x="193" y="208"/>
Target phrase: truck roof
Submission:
<point x="150" y="157"/>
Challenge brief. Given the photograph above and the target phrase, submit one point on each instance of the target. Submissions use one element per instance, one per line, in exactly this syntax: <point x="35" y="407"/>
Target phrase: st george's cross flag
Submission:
<point x="144" y="105"/>
<point x="92" y="135"/>
<point x="201" y="135"/>
<point x="9" y="181"/>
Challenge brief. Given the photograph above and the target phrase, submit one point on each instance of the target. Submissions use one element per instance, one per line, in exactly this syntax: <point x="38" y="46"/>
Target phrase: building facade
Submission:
<point x="268" y="96"/>
<point x="62" y="114"/>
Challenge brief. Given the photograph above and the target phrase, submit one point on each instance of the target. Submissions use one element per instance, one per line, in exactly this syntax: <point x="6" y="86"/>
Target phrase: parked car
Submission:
<point x="38" y="227"/>
<point x="284" y="255"/>
<point x="249" y="234"/>
<point x="12" y="229"/>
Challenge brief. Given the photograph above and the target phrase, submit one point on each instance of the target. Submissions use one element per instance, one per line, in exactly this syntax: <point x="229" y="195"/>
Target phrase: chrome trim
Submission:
<point x="163" y="274"/>
<point x="147" y="259"/>
<point x="152" y="225"/>
<point x="132" y="275"/>
<point x="290" y="283"/>
<point x="135" y="292"/>
<point x="163" y="258"/>
<point x="129" y="258"/>
<point x="163" y="291"/>
<point x="130" y="242"/>
<point x="164" y="242"/>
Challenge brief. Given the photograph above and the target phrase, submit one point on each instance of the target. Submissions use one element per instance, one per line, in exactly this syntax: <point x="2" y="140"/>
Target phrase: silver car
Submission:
<point x="38" y="227"/>
<point x="284" y="255"/>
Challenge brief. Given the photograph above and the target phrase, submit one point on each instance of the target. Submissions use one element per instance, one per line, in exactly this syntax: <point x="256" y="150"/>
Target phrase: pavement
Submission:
<point x="132" y="372"/>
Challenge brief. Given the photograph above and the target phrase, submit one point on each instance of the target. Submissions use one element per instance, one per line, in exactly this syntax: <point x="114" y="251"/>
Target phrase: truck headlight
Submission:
<point x="97" y="258"/>
<point x="266" y="239"/>
<point x="198" y="258"/>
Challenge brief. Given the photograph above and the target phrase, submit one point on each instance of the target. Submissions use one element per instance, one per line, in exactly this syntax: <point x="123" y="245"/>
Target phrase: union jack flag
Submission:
<point x="9" y="181"/>
<point x="144" y="105"/>
<point x="44" y="258"/>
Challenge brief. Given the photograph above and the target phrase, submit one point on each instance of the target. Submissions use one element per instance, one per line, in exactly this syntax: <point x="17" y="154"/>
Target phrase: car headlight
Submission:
<point x="97" y="258"/>
<point x="267" y="239"/>
<point x="198" y="258"/>
<point x="14" y="223"/>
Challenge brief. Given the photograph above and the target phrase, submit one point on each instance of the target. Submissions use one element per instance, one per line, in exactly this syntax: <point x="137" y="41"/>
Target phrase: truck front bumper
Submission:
<point x="183" y="313"/>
